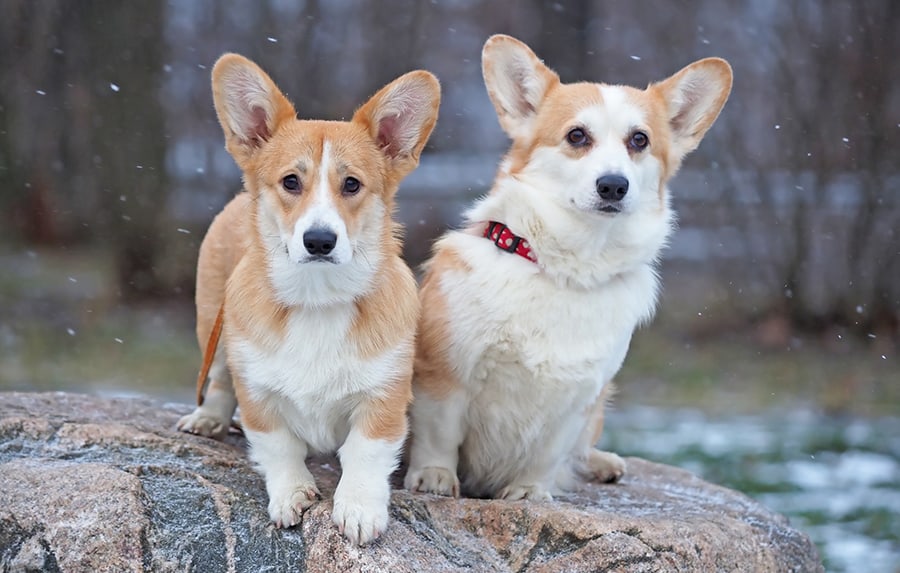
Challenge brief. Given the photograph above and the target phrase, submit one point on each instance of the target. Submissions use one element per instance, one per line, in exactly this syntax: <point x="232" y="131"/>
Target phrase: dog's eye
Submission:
<point x="577" y="137"/>
<point x="351" y="186"/>
<point x="639" y="141"/>
<point x="291" y="184"/>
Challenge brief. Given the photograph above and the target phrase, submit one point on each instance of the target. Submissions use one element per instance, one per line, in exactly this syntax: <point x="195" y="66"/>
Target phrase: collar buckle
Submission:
<point x="499" y="233"/>
<point x="505" y="240"/>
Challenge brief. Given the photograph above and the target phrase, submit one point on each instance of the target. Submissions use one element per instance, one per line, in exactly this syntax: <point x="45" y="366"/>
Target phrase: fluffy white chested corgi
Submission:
<point x="320" y="311"/>
<point x="528" y="310"/>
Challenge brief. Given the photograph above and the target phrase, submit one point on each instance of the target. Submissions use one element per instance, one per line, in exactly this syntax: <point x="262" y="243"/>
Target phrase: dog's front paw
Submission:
<point x="532" y="492"/>
<point x="432" y="480"/>
<point x="359" y="520"/>
<point x="203" y="423"/>
<point x="605" y="467"/>
<point x="287" y="506"/>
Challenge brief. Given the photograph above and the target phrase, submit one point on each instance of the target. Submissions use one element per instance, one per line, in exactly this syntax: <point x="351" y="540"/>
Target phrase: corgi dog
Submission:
<point x="319" y="310"/>
<point x="528" y="310"/>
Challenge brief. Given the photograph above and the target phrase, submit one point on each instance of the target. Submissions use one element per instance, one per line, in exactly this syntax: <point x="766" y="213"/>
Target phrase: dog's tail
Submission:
<point x="211" y="344"/>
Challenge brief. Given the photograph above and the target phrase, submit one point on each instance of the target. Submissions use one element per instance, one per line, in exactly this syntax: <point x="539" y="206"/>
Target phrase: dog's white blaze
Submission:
<point x="322" y="214"/>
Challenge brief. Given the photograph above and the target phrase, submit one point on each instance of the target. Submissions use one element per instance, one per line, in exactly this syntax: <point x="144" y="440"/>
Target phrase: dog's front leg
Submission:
<point x="368" y="457"/>
<point x="281" y="456"/>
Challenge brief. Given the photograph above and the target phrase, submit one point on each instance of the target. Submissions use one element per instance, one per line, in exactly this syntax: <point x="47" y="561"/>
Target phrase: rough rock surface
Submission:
<point x="95" y="484"/>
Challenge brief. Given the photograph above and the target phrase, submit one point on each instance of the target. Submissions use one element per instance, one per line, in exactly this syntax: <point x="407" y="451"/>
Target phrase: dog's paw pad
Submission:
<point x="286" y="510"/>
<point x="203" y="423"/>
<point x="605" y="467"/>
<point x="433" y="480"/>
<point x="361" y="522"/>
<point x="532" y="492"/>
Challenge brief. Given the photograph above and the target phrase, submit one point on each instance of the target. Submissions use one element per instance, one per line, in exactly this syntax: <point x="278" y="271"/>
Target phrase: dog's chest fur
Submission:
<point x="313" y="376"/>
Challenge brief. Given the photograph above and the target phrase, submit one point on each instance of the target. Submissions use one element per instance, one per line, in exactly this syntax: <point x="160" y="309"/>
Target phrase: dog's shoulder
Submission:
<point x="387" y="316"/>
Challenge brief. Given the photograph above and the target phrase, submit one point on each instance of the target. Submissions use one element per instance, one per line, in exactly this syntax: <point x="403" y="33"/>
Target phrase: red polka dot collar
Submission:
<point x="505" y="240"/>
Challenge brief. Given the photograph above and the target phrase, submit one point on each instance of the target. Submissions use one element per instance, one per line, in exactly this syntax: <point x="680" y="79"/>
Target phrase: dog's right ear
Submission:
<point x="516" y="81"/>
<point x="249" y="105"/>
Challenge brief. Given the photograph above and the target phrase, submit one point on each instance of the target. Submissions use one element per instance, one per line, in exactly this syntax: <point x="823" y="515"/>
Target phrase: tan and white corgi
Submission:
<point x="320" y="310"/>
<point x="528" y="311"/>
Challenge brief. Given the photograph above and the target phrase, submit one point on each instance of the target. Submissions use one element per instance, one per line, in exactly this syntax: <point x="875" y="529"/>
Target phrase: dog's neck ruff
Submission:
<point x="507" y="241"/>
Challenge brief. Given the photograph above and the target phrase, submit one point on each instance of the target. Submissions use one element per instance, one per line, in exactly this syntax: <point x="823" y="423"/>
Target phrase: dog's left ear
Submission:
<point x="694" y="96"/>
<point x="400" y="118"/>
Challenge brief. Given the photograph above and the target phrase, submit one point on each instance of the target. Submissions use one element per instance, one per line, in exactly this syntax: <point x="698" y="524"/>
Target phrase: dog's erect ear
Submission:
<point x="694" y="96"/>
<point x="516" y="81"/>
<point x="400" y="118"/>
<point x="249" y="105"/>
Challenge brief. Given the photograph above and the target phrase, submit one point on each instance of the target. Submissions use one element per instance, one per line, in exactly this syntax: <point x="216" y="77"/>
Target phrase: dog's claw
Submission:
<point x="286" y="510"/>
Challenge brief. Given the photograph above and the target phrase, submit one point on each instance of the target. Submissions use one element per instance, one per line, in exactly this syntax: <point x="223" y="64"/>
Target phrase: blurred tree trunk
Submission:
<point x="563" y="41"/>
<point x="31" y="110"/>
<point x="123" y="51"/>
<point x="84" y="146"/>
<point x="393" y="35"/>
<point x="824" y="216"/>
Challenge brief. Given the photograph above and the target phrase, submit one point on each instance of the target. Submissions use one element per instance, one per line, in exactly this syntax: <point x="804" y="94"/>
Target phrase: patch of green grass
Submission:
<point x="142" y="351"/>
<point x="62" y="327"/>
<point x="730" y="373"/>
<point x="878" y="523"/>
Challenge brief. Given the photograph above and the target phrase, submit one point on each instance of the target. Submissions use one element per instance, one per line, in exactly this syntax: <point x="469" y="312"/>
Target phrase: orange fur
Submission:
<point x="599" y="409"/>
<point x="209" y="354"/>
<point x="384" y="317"/>
<point x="253" y="415"/>
<point x="222" y="248"/>
<point x="433" y="371"/>
<point x="560" y="104"/>
<point x="384" y="417"/>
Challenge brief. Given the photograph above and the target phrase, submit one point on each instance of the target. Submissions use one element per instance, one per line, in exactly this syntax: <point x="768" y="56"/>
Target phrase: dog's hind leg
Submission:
<point x="213" y="417"/>
<point x="588" y="461"/>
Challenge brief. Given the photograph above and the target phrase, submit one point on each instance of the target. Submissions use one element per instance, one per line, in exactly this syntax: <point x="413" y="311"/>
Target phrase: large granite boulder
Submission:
<point x="96" y="484"/>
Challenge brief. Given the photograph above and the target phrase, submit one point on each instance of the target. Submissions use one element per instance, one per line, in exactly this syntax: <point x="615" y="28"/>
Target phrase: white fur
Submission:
<point x="531" y="355"/>
<point x="360" y="502"/>
<point x="280" y="456"/>
<point x="308" y="378"/>
<point x="311" y="384"/>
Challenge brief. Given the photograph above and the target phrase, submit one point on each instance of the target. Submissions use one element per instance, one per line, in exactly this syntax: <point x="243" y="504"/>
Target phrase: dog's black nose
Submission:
<point x="612" y="187"/>
<point x="319" y="241"/>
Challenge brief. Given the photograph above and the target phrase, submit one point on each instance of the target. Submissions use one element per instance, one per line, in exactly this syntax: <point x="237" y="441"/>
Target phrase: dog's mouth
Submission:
<point x="608" y="208"/>
<point x="318" y="259"/>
